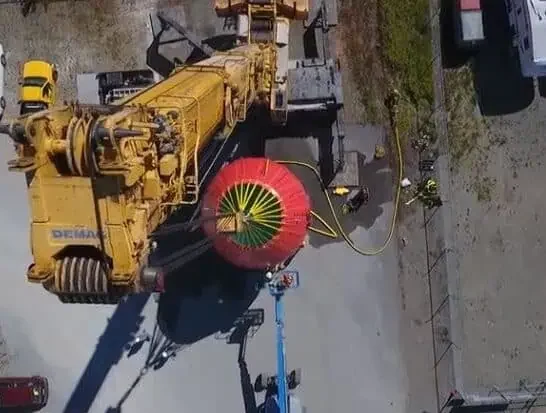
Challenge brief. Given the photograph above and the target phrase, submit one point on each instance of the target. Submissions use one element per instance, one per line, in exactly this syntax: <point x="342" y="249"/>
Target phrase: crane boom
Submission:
<point x="102" y="178"/>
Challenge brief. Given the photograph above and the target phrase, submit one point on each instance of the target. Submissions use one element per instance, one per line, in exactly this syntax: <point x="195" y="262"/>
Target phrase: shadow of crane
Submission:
<point x="160" y="351"/>
<point x="207" y="295"/>
<point x="124" y="323"/>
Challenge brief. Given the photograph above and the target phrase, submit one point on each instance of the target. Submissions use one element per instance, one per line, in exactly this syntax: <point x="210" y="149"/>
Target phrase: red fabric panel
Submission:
<point x="294" y="202"/>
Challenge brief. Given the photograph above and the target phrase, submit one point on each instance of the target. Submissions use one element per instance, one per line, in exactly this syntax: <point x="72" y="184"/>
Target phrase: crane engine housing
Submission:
<point x="102" y="178"/>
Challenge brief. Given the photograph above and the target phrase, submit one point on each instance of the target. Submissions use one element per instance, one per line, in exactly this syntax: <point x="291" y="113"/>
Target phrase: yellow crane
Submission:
<point x="101" y="179"/>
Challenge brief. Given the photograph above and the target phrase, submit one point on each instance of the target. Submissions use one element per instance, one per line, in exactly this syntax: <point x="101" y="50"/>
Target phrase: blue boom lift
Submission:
<point x="278" y="398"/>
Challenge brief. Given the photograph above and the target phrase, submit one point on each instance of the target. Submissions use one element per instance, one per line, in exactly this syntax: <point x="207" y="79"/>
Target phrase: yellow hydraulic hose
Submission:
<point x="330" y="231"/>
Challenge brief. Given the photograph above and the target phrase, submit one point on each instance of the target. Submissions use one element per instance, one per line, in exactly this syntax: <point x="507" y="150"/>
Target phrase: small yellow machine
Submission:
<point x="101" y="179"/>
<point x="38" y="86"/>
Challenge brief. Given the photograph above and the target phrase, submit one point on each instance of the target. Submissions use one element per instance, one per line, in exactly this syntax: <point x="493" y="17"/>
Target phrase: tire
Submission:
<point x="2" y="103"/>
<point x="3" y="60"/>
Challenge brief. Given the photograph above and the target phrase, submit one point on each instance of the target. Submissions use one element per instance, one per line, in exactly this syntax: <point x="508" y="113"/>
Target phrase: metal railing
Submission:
<point x="119" y="93"/>
<point x="522" y="399"/>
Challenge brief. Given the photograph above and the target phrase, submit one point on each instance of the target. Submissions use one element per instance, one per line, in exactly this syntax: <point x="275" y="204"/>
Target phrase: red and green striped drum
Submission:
<point x="274" y="203"/>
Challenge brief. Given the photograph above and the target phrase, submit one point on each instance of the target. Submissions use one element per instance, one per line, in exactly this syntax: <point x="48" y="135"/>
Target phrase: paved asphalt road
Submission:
<point x="342" y="328"/>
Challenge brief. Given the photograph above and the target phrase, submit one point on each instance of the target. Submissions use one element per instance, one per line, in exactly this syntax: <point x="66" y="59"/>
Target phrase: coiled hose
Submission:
<point x="330" y="232"/>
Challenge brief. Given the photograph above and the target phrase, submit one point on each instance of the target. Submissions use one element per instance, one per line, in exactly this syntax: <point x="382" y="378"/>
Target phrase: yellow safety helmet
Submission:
<point x="340" y="190"/>
<point x="431" y="185"/>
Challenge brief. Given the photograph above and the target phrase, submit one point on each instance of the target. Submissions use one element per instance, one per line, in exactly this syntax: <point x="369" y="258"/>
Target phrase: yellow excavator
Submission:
<point x="102" y="178"/>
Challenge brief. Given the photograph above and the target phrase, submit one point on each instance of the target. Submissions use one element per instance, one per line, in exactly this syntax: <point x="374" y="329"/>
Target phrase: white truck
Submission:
<point x="527" y="19"/>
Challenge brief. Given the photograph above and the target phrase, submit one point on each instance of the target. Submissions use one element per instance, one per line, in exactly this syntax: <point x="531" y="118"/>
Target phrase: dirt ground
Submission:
<point x="499" y="213"/>
<point x="498" y="151"/>
<point x="361" y="54"/>
<point x="124" y="29"/>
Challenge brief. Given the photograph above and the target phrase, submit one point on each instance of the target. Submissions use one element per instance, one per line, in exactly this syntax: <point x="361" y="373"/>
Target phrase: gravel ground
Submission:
<point x="63" y="43"/>
<point x="113" y="34"/>
<point x="498" y="211"/>
<point x="500" y="240"/>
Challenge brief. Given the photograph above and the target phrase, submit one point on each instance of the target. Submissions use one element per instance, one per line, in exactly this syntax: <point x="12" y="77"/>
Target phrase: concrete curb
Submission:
<point x="450" y="270"/>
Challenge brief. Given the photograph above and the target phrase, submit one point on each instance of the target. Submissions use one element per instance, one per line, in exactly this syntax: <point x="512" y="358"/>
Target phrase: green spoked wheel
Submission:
<point x="261" y="208"/>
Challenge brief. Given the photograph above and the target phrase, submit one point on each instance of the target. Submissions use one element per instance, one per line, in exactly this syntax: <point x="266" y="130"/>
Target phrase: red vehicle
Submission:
<point x="23" y="392"/>
<point x="469" y="33"/>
